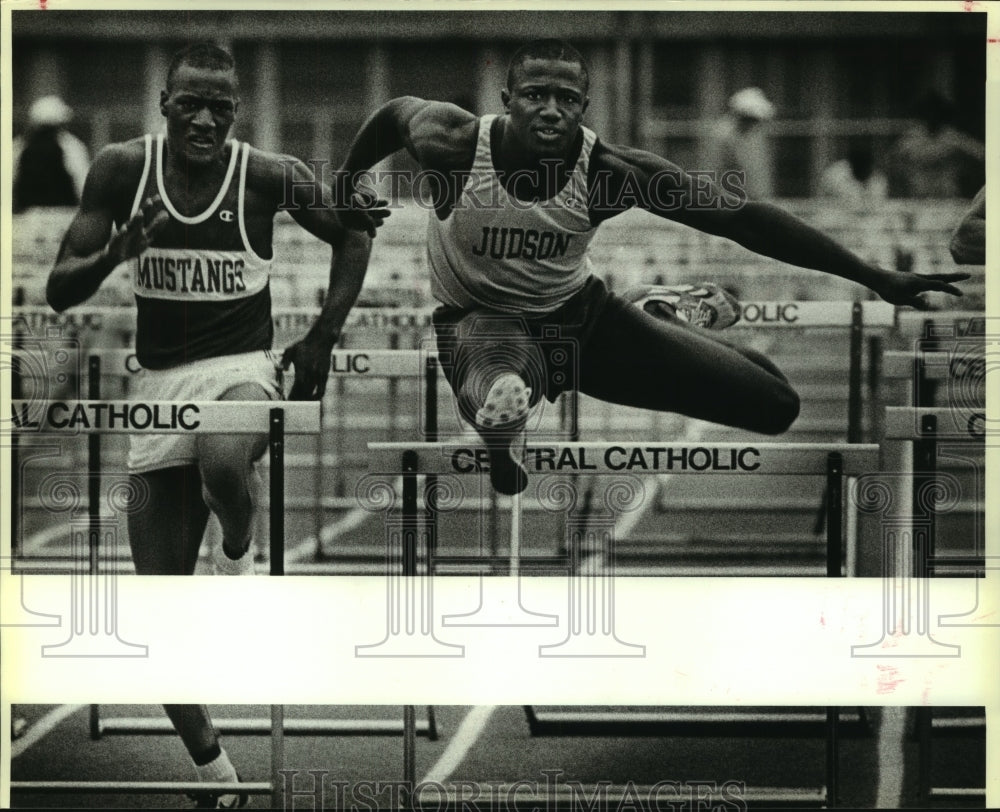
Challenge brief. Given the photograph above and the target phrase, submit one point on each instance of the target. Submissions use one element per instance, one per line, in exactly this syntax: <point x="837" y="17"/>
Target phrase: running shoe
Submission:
<point x="506" y="403"/>
<point x="212" y="800"/>
<point x="706" y="305"/>
<point x="222" y="564"/>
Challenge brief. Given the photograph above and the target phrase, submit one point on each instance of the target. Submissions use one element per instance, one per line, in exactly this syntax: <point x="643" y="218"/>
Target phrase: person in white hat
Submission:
<point x="738" y="142"/>
<point x="50" y="163"/>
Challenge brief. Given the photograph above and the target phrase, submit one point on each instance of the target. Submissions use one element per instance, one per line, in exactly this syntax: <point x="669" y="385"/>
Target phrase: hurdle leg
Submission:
<point x="277" y="755"/>
<point x="832" y="756"/>
<point x="834" y="514"/>
<point x="276" y="446"/>
<point x="409" y="622"/>
<point x="409" y="754"/>
<point x="430" y="481"/>
<point x="854" y="395"/>
<point x="94" y="594"/>
<point x="505" y="607"/>
<point x="94" y="466"/>
<point x="924" y="723"/>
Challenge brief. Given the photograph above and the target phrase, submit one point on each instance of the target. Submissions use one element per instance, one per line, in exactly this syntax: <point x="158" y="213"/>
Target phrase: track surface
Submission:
<point x="481" y="745"/>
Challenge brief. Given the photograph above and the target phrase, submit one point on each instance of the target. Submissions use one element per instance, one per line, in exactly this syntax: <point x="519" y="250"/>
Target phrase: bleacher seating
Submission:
<point x="628" y="250"/>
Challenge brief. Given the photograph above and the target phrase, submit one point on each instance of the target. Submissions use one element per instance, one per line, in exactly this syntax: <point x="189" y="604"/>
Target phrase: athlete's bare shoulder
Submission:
<point x="272" y="175"/>
<point x="438" y="134"/>
<point x="115" y="174"/>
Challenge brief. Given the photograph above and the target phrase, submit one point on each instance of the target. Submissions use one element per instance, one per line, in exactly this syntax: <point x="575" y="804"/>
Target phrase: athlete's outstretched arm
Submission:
<point x="438" y="135"/>
<point x="87" y="256"/>
<point x="638" y="178"/>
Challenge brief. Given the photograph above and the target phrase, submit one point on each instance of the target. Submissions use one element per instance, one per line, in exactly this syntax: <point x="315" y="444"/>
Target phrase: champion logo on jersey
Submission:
<point x="226" y="215"/>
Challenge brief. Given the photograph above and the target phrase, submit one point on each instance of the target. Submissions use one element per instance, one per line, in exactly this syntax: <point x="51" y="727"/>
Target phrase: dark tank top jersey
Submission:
<point x="200" y="289"/>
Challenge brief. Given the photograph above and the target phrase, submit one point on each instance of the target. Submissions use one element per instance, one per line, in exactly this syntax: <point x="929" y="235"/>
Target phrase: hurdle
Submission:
<point x="96" y="417"/>
<point x="834" y="461"/>
<point x="926" y="428"/>
<point x="273" y="787"/>
<point x="290" y="418"/>
<point x="926" y="723"/>
<point x="906" y="604"/>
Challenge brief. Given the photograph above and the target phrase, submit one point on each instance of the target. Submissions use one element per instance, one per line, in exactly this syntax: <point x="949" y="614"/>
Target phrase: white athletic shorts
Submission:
<point x="200" y="380"/>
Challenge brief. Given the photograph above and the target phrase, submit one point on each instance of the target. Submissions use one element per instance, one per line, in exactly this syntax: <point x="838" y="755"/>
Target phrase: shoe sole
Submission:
<point x="506" y="404"/>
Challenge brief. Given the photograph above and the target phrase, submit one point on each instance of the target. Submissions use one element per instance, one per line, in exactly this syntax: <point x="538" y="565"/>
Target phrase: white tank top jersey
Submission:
<point x="200" y="288"/>
<point x="503" y="254"/>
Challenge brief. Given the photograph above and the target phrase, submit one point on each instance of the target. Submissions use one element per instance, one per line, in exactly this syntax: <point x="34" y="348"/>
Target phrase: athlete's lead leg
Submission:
<point x="635" y="359"/>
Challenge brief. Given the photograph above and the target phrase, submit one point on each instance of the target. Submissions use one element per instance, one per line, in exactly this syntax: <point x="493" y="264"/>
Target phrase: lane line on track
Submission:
<point x="465" y="737"/>
<point x="329" y="533"/>
<point x="40" y="729"/>
<point x="891" y="736"/>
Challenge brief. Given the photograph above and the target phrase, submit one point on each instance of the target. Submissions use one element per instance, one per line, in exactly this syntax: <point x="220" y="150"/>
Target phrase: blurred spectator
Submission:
<point x="857" y="191"/>
<point x="50" y="163"/>
<point x="932" y="159"/>
<point x="854" y="182"/>
<point x="968" y="243"/>
<point x="738" y="141"/>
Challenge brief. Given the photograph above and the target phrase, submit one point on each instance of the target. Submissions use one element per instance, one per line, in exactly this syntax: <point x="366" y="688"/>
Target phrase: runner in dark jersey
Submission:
<point x="192" y="213"/>
<point x="520" y="196"/>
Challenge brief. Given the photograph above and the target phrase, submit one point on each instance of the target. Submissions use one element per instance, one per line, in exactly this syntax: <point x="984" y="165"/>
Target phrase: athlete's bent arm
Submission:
<point x="636" y="177"/>
<point x="86" y="255"/>
<point x="312" y="205"/>
<point x="968" y="243"/>
<point x="437" y="135"/>
<point x="311" y="355"/>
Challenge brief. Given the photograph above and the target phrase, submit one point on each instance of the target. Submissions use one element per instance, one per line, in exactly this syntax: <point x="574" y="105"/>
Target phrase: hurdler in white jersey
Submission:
<point x="491" y="252"/>
<point x="508" y="255"/>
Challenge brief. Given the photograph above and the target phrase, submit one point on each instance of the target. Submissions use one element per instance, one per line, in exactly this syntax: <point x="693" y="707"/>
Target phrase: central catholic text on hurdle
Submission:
<point x="620" y="458"/>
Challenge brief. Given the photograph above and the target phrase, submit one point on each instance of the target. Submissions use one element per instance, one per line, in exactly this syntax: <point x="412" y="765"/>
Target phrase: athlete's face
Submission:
<point x="546" y="105"/>
<point x="200" y="108"/>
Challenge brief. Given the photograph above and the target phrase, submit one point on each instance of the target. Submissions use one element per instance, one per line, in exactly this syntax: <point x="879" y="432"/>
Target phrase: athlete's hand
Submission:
<point x="311" y="359"/>
<point x="902" y="288"/>
<point x="365" y="211"/>
<point x="135" y="236"/>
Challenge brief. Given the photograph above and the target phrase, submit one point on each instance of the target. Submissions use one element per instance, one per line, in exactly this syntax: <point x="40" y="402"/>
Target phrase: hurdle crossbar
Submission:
<point x="945" y="423"/>
<point x="160" y="417"/>
<point x="360" y="363"/>
<point x="148" y="726"/>
<point x="142" y="787"/>
<point x="937" y="366"/>
<point x="703" y="722"/>
<point x="768" y="314"/>
<point x="742" y="458"/>
<point x="708" y="723"/>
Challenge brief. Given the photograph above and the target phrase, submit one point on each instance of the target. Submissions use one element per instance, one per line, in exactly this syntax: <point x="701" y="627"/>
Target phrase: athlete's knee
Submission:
<point x="781" y="411"/>
<point x="225" y="484"/>
<point x="764" y="363"/>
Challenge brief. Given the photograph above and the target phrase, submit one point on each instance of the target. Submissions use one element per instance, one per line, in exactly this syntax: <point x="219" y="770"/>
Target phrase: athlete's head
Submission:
<point x="546" y="95"/>
<point x="200" y="102"/>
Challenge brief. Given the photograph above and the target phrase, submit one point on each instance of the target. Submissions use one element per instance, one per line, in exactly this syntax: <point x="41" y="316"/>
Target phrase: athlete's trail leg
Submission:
<point x="226" y="464"/>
